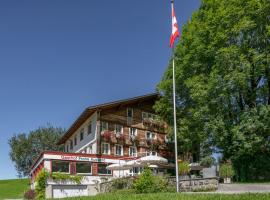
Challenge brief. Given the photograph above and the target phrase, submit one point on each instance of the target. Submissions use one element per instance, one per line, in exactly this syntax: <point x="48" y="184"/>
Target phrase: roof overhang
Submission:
<point x="90" y="110"/>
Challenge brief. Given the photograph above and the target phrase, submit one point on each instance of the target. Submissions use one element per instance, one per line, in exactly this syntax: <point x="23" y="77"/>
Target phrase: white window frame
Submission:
<point x="136" y="151"/>
<point x="144" y="113"/>
<point x="122" y="150"/>
<point x="131" y="171"/>
<point x="152" y="134"/>
<point x="151" y="153"/>
<point x="89" y="149"/>
<point x="61" y="161"/>
<point x="107" y="126"/>
<point x="102" y="148"/>
<point x="121" y="128"/>
<point x="84" y="173"/>
<point x="149" y="115"/>
<point x="136" y="131"/>
<point x="108" y="170"/>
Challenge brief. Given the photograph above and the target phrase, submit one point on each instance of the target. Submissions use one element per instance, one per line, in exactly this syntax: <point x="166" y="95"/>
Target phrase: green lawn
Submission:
<point x="173" y="196"/>
<point x="14" y="188"/>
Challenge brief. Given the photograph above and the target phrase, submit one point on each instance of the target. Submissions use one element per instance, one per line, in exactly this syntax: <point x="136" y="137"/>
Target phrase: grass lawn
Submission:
<point x="14" y="188"/>
<point x="173" y="196"/>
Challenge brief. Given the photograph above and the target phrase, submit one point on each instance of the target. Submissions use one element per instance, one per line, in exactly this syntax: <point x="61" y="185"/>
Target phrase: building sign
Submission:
<point x="79" y="158"/>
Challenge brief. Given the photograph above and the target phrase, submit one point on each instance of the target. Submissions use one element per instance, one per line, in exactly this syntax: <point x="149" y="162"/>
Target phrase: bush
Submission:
<point x="207" y="161"/>
<point x="183" y="168"/>
<point x="41" y="181"/>
<point x="226" y="170"/>
<point x="148" y="183"/>
<point x="30" y="194"/>
<point x="121" y="183"/>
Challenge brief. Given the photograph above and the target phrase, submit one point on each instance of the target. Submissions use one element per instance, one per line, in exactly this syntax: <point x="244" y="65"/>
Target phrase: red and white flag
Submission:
<point x="175" y="30"/>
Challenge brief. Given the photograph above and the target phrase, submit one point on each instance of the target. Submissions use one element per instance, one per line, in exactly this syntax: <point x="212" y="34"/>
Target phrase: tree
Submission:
<point x="25" y="148"/>
<point x="223" y="84"/>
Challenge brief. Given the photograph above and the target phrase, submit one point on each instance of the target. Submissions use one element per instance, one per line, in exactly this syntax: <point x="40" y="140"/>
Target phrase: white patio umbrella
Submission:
<point x="152" y="160"/>
<point x="117" y="167"/>
<point x="133" y="163"/>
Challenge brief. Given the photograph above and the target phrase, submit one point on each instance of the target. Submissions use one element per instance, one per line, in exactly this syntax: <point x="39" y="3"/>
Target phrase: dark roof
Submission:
<point x="90" y="110"/>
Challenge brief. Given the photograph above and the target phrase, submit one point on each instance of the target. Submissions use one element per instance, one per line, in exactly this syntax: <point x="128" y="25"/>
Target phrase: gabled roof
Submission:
<point x="90" y="110"/>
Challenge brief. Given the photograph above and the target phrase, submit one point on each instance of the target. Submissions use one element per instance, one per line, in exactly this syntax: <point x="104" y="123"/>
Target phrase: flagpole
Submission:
<point x="174" y="121"/>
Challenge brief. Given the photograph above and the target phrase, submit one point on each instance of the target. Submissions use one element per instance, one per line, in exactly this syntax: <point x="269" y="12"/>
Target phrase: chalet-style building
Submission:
<point x="102" y="135"/>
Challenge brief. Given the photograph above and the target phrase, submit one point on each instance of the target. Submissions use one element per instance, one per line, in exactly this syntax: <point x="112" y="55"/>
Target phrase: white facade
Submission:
<point x="88" y="143"/>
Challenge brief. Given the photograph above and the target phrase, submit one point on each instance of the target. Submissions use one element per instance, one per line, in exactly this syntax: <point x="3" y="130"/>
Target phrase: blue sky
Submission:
<point x="58" y="57"/>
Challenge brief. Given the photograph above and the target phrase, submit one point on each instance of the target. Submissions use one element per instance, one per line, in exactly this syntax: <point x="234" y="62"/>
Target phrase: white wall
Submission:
<point x="47" y="165"/>
<point x="88" y="139"/>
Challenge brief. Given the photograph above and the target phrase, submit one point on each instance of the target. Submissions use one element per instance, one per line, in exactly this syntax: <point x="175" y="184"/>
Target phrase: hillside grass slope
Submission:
<point x="13" y="188"/>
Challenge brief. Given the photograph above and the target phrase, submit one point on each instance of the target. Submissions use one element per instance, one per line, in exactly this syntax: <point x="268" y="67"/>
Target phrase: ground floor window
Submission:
<point x="136" y="170"/>
<point x="102" y="169"/>
<point x="83" y="168"/>
<point x="60" y="166"/>
<point x="151" y="153"/>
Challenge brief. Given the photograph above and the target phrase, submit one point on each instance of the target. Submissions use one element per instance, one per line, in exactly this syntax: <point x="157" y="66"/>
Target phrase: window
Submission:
<point x="89" y="128"/>
<point x="102" y="169"/>
<point x="136" y="170"/>
<point x="81" y="134"/>
<point x="89" y="149"/>
<point x="146" y="115"/>
<point x="75" y="140"/>
<point x="132" y="131"/>
<point x="60" y="166"/>
<point x="118" y="150"/>
<point x="118" y="128"/>
<point x="150" y="135"/>
<point x="71" y="145"/>
<point x="67" y="148"/>
<point x="105" y="148"/>
<point x="151" y="153"/>
<point x="104" y="126"/>
<point x="129" y="112"/>
<point x="132" y="151"/>
<point x="83" y="168"/>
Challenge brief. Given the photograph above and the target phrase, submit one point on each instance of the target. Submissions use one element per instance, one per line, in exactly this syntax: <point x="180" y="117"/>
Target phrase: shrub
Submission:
<point x="41" y="184"/>
<point x="207" y="161"/>
<point x="148" y="183"/>
<point x="226" y="170"/>
<point x="183" y="168"/>
<point x="57" y="176"/>
<point x="121" y="183"/>
<point x="30" y="194"/>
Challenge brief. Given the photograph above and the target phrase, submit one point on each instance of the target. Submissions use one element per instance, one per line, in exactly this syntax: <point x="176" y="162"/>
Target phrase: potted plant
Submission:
<point x="226" y="172"/>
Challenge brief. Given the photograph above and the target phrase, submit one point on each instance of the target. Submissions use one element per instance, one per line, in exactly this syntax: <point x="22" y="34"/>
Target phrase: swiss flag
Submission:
<point x="175" y="30"/>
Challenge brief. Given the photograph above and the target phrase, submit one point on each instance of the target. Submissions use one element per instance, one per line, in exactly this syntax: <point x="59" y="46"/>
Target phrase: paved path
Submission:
<point x="243" y="188"/>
